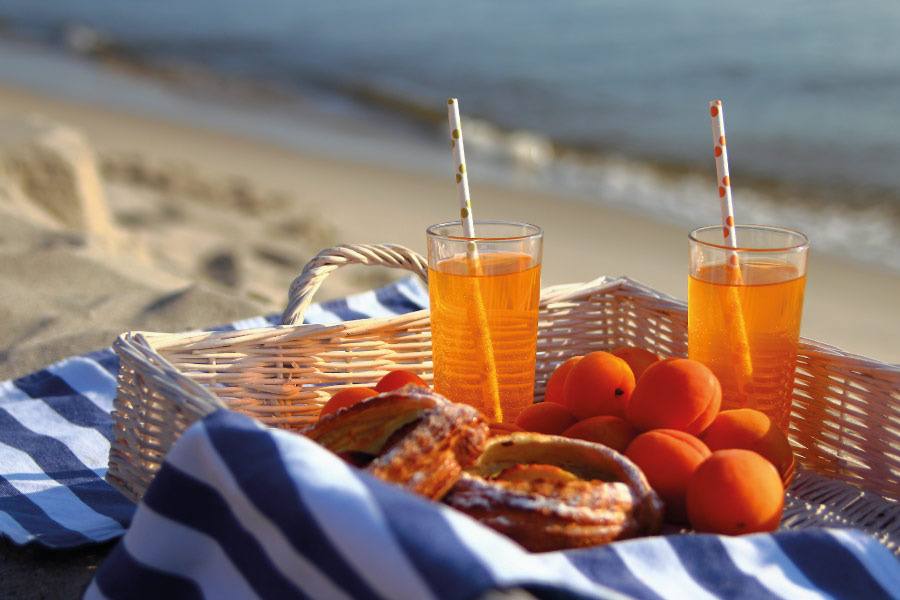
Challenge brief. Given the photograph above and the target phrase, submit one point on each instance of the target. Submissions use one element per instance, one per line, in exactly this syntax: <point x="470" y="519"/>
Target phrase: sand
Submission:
<point x="210" y="227"/>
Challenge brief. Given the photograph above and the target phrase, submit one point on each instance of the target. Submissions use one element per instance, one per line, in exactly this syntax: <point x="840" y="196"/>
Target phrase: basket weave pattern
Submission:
<point x="845" y="423"/>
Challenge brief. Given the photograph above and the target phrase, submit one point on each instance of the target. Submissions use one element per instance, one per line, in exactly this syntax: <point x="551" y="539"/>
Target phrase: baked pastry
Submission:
<point x="411" y="437"/>
<point x="503" y="428"/>
<point x="552" y="493"/>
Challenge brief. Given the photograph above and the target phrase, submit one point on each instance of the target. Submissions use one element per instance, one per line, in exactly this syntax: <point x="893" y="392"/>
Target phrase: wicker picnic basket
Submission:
<point x="845" y="425"/>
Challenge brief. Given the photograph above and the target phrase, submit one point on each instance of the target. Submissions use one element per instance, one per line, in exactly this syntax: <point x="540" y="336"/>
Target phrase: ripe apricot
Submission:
<point x="750" y="429"/>
<point x="546" y="417"/>
<point x="637" y="358"/>
<point x="397" y="379"/>
<point x="345" y="398"/>
<point x="668" y="457"/>
<point x="614" y="432"/>
<point x="557" y="382"/>
<point x="735" y="492"/>
<point x="676" y="393"/>
<point x="599" y="384"/>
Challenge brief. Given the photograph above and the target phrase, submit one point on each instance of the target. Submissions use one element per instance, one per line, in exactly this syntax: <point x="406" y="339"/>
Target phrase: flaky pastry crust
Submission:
<point x="411" y="437"/>
<point x="588" y="495"/>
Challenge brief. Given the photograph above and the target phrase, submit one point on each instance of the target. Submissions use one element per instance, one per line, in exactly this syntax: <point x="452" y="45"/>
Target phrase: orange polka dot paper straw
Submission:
<point x="738" y="327"/>
<point x="720" y="152"/>
<point x="467" y="219"/>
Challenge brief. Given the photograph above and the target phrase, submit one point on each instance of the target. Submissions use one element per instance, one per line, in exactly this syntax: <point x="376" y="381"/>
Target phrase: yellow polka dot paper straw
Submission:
<point x="467" y="219"/>
<point x="459" y="167"/>
<point x="723" y="188"/>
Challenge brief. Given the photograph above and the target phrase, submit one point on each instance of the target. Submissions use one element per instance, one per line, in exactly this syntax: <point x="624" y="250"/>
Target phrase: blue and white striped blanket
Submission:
<point x="243" y="511"/>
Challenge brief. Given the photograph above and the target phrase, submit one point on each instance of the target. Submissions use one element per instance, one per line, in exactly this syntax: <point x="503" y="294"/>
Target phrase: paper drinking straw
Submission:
<point x="492" y="388"/>
<point x="720" y="151"/>
<point x="459" y="163"/>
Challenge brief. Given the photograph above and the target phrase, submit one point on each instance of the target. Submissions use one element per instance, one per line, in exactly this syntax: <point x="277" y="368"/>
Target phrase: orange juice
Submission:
<point x="506" y="286"/>
<point x="770" y="297"/>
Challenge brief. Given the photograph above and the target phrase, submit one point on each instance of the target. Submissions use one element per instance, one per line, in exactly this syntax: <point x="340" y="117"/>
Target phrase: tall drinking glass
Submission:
<point x="484" y="295"/>
<point x="744" y="309"/>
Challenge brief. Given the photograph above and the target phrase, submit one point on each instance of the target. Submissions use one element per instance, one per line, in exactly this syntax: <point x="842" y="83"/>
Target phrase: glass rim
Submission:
<point x="803" y="243"/>
<point x="533" y="231"/>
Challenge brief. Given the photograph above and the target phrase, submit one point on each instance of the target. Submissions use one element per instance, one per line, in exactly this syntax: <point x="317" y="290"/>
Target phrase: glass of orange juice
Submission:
<point x="744" y="309"/>
<point x="484" y="295"/>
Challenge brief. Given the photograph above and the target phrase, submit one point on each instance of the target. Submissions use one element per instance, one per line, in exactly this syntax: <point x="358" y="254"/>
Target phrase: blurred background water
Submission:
<point x="604" y="98"/>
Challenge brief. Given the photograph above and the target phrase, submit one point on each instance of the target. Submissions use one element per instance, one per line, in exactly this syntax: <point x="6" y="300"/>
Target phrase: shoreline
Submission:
<point x="582" y="240"/>
<point x="858" y="222"/>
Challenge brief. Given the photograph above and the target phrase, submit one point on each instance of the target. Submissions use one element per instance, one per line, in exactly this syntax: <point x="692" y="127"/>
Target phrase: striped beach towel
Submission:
<point x="55" y="433"/>
<point x="243" y="511"/>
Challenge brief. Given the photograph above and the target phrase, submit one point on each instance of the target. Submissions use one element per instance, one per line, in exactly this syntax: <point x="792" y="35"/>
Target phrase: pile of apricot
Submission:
<point x="721" y="471"/>
<point x="587" y="397"/>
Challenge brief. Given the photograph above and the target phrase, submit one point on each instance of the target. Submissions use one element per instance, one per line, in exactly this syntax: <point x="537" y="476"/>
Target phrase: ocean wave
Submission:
<point x="864" y="229"/>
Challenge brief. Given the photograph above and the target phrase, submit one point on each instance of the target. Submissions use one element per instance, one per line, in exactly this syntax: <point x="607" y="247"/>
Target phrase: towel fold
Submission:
<point x="243" y="511"/>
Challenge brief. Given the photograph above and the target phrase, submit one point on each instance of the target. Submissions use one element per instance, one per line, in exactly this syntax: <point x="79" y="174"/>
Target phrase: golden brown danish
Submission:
<point x="411" y="437"/>
<point x="551" y="493"/>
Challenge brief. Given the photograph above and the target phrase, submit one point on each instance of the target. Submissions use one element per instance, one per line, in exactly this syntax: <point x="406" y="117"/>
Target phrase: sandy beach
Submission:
<point x="219" y="224"/>
<point x="133" y="214"/>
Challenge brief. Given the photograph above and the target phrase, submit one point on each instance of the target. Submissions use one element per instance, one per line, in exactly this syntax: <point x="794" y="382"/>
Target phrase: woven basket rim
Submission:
<point x="549" y="296"/>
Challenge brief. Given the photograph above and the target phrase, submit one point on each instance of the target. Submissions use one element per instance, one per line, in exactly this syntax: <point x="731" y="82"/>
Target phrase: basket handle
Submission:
<point x="316" y="270"/>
